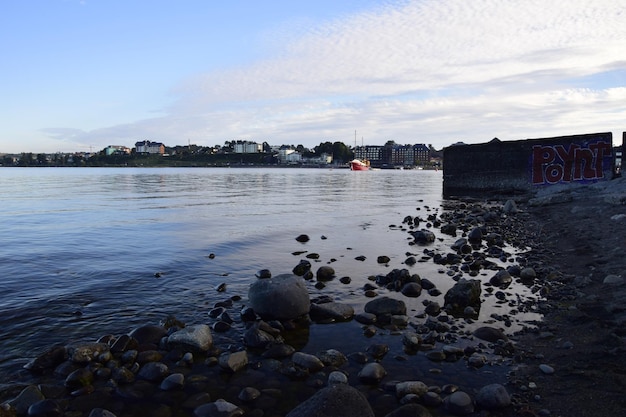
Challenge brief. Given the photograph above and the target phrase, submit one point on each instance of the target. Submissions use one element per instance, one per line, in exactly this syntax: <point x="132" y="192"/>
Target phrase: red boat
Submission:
<point x="359" y="165"/>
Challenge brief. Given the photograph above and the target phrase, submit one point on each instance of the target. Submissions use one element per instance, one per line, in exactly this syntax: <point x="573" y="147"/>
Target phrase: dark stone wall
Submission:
<point x="522" y="166"/>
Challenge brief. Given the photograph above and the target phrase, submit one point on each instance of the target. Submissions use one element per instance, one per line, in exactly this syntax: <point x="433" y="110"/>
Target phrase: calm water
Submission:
<point x="79" y="248"/>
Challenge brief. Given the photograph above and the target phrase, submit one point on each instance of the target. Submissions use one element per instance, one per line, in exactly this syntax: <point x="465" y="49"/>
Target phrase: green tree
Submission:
<point x="26" y="159"/>
<point x="341" y="153"/>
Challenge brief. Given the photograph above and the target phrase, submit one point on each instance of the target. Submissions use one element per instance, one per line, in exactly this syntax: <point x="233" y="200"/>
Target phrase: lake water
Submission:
<point x="80" y="248"/>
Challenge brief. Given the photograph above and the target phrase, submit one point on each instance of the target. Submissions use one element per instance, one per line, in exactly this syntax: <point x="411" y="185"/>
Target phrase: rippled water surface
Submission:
<point x="79" y="248"/>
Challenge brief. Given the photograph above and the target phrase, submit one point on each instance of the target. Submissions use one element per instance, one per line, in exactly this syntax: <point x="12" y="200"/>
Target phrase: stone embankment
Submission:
<point x="244" y="361"/>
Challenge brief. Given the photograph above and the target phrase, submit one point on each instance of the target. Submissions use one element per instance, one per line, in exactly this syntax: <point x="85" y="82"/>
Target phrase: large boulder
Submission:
<point x="334" y="400"/>
<point x="283" y="297"/>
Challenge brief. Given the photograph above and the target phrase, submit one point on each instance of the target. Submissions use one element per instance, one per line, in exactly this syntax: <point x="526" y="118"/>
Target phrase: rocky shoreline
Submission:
<point x="582" y="339"/>
<point x="246" y="360"/>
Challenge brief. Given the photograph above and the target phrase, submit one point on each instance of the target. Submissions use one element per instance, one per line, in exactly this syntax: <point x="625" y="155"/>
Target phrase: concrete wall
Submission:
<point x="522" y="166"/>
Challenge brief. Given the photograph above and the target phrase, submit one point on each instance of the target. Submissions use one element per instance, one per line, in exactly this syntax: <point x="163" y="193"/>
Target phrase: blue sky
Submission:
<point x="81" y="75"/>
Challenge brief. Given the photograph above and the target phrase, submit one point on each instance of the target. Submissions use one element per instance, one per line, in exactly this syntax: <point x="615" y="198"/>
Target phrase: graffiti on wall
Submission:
<point x="573" y="162"/>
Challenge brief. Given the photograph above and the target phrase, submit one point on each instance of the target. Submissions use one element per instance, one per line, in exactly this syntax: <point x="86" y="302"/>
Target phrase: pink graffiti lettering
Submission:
<point x="552" y="164"/>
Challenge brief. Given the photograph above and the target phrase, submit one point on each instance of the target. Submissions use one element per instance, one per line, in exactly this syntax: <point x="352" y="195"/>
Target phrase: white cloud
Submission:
<point x="417" y="71"/>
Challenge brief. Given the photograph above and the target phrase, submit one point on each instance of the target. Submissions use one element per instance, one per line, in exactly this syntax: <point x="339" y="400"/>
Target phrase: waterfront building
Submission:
<point x="148" y="147"/>
<point x="390" y="156"/>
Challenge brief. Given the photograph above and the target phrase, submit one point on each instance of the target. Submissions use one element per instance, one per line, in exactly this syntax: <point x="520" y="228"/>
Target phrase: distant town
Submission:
<point x="236" y="153"/>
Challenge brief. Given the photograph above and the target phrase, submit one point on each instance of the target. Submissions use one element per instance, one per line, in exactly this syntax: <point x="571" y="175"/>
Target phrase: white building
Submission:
<point x="244" y="146"/>
<point x="148" y="147"/>
<point x="289" y="156"/>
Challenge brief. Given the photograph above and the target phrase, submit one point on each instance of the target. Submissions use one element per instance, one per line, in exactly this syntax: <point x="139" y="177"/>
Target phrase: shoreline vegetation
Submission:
<point x="571" y="364"/>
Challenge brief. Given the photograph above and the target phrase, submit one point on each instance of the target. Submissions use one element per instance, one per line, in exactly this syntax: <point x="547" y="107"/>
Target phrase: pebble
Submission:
<point x="546" y="369"/>
<point x="306" y="361"/>
<point x="249" y="394"/>
<point x="219" y="408"/>
<point x="45" y="408"/>
<point x="613" y="280"/>
<point x="337" y="377"/>
<point x="173" y="382"/>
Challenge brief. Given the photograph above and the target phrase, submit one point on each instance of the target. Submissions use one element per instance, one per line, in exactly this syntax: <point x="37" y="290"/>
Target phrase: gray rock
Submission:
<point x="431" y="399"/>
<point x="306" y="361"/>
<point x="477" y="360"/>
<point x="334" y="400"/>
<point x="303" y="238"/>
<point x="79" y="378"/>
<point x="45" y="408"/>
<point x="372" y="373"/>
<point x="493" y="396"/>
<point x="332" y="357"/>
<point x="87" y="352"/>
<point x="263" y="273"/>
<point x="546" y="369"/>
<point x="337" y="377"/>
<point x="411" y="289"/>
<point x="302" y="268"/>
<point x="411" y="387"/>
<point x="365" y="318"/>
<point x="194" y="338"/>
<point x="219" y="408"/>
<point x="331" y="312"/>
<point x="490" y="334"/>
<point x="122" y="375"/>
<point x="49" y="359"/>
<point x="27" y="397"/>
<point x="459" y="403"/>
<point x="153" y="371"/>
<point x="411" y="341"/>
<point x="279" y="351"/>
<point x="385" y="305"/>
<point x="509" y="207"/>
<point x="233" y="362"/>
<point x="399" y="320"/>
<point x="148" y="334"/>
<point x="423" y="236"/>
<point x="325" y="273"/>
<point x="462" y="294"/>
<point x="173" y="382"/>
<point x="458" y="244"/>
<point x="256" y="337"/>
<point x="282" y="297"/>
<point x="433" y="308"/>
<point x="475" y="236"/>
<point x="249" y="394"/>
<point x="502" y="278"/>
<point x="613" y="280"/>
<point x="528" y="274"/>
<point x="383" y="259"/>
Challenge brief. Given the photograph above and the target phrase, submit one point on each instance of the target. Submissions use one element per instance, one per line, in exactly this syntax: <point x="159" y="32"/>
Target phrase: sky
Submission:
<point x="78" y="76"/>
